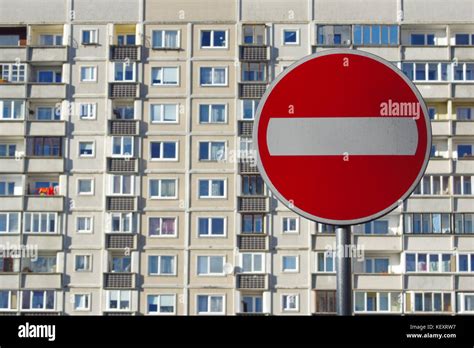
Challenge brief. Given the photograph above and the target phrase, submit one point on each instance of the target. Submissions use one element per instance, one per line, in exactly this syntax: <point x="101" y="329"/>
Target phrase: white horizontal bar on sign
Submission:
<point x="329" y="136"/>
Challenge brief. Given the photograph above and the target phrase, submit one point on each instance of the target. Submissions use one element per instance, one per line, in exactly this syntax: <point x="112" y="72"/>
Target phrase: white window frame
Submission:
<point x="209" y="148"/>
<point x="123" y="154"/>
<point x="212" y="46"/>
<point x="11" y="76"/>
<point x="162" y="159"/>
<point x="288" y="218"/>
<point x="162" y="111"/>
<point x="209" y="273"/>
<point x="283" y="31"/>
<point x="10" y="303"/>
<point x="94" y="37"/>
<point x="11" y="117"/>
<point x="326" y="254"/>
<point x="90" y="111"/>
<point x="160" y="235"/>
<point x="87" y="263"/>
<point x="55" y="73"/>
<point x="43" y="309"/>
<point x="125" y="65"/>
<point x="163" y="36"/>
<point x="119" y="297"/>
<point x="159" y="189"/>
<point x="254" y="109"/>
<point x="222" y="296"/>
<point x="461" y="302"/>
<point x="252" y="255"/>
<point x="378" y="310"/>
<point x="470" y="266"/>
<point x="91" y="223"/>
<point x="210" y="196"/>
<point x="209" y="107"/>
<point x="121" y="216"/>
<point x="412" y="301"/>
<point x="289" y="309"/>
<point x="56" y="222"/>
<point x="163" y="84"/>
<point x="121" y="178"/>
<point x="209" y="230"/>
<point x="158" y="312"/>
<point x="90" y="193"/>
<point x="8" y="214"/>
<point x="55" y="37"/>
<point x="213" y="84"/>
<point x="88" y="302"/>
<point x="296" y="270"/>
<point x="92" y="155"/>
<point x="93" y="77"/>
<point x="175" y="261"/>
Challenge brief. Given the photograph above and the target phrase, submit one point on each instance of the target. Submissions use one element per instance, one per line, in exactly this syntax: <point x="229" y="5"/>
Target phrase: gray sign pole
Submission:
<point x="343" y="271"/>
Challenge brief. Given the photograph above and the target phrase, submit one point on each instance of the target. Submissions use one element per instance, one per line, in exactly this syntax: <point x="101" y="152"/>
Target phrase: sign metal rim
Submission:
<point x="319" y="219"/>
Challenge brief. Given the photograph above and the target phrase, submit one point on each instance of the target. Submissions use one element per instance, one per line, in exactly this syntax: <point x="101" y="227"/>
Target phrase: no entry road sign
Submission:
<point x="342" y="137"/>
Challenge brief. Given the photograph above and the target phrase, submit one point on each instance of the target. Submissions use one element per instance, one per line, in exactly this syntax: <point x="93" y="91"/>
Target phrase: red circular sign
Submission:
<point x="342" y="137"/>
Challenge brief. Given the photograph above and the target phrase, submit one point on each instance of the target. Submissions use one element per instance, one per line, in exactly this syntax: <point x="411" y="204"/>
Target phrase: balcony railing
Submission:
<point x="120" y="241"/>
<point x="254" y="53"/>
<point x="253" y="242"/>
<point x="124" y="52"/>
<point x="120" y="90"/>
<point x="122" y="165"/>
<point x="123" y="127"/>
<point x="119" y="280"/>
<point x="121" y="203"/>
<point x="245" y="128"/>
<point x="252" y="281"/>
<point x="248" y="167"/>
<point x="253" y="204"/>
<point x="252" y="90"/>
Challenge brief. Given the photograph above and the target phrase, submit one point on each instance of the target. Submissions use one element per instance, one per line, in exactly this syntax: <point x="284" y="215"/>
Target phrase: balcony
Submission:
<point x="11" y="164"/>
<point x="464" y="283"/>
<point x="12" y="128"/>
<point x="121" y="203"/>
<point x="462" y="53"/>
<point x="252" y="53"/>
<point x="383" y="243"/>
<point x="124" y="52"/>
<point x="464" y="166"/>
<point x="428" y="204"/>
<point x="320" y="242"/>
<point x="121" y="241"/>
<point x="438" y="282"/>
<point x="44" y="203"/>
<point x="435" y="53"/>
<point x="253" y="204"/>
<point x="44" y="164"/>
<point x="13" y="54"/>
<point x="119" y="280"/>
<point x="124" y="90"/>
<point x="441" y="128"/>
<point x="11" y="203"/>
<point x="247" y="242"/>
<point x="390" y="53"/>
<point x="122" y="127"/>
<point x="252" y="90"/>
<point x="463" y="128"/>
<point x="40" y="54"/>
<point x="439" y="165"/>
<point x="252" y="281"/>
<point x="245" y="128"/>
<point x="377" y="281"/>
<point x="463" y="204"/>
<point x="436" y="242"/>
<point x="9" y="281"/>
<point x="463" y="90"/>
<point x="45" y="242"/>
<point x="41" y="280"/>
<point x="46" y="128"/>
<point x="440" y="91"/>
<point x="323" y="281"/>
<point x="122" y="165"/>
<point x="10" y="90"/>
<point x="40" y="90"/>
<point x="248" y="167"/>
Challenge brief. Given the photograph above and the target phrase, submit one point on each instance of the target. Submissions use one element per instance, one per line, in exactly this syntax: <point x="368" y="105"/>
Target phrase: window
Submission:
<point x="164" y="113"/>
<point x="426" y="71"/>
<point x="465" y="263"/>
<point x="432" y="112"/>
<point x="124" y="112"/>
<point x="252" y="304"/>
<point x="212" y="150"/>
<point x="254" y="72"/>
<point x="290" y="225"/>
<point x="90" y="37"/>
<point x="462" y="185"/>
<point x="249" y="108"/>
<point x="49" y="76"/>
<point x="38" y="300"/>
<point x="291" y="37"/>
<point x="428" y="302"/>
<point x="122" y="223"/>
<point x="213" y="39"/>
<point x="164" y="150"/>
<point x="7" y="188"/>
<point x="211" y="226"/>
<point x="377" y="302"/>
<point x="8" y="299"/>
<point x="376" y="265"/>
<point x="126" y="39"/>
<point x="124" y="71"/>
<point x="246" y="150"/>
<point x="82" y="302"/>
<point x="162" y="226"/>
<point x="39" y="264"/>
<point x="427" y="223"/>
<point x="252" y="185"/>
<point x="465" y="302"/>
<point x="290" y="263"/>
<point x="213" y="76"/>
<point x="82" y="263"/>
<point x="85" y="186"/>
<point x="252" y="223"/>
<point x="464" y="150"/>
<point x="165" y="39"/>
<point x="84" y="224"/>
<point x="9" y="222"/>
<point x="122" y="146"/>
<point x="122" y="184"/>
<point x="210" y="304"/>
<point x="463" y="223"/>
<point x="212" y="113"/>
<point x="325" y="301"/>
<point x="40" y="222"/>
<point x="87" y="111"/>
<point x="162" y="265"/>
<point x="433" y="185"/>
<point x="50" y="40"/>
<point x="376" y="227"/>
<point x="422" y="262"/>
<point x="253" y="34"/>
<point x="290" y="302"/>
<point x="88" y="73"/>
<point x="161" y="304"/>
<point x="464" y="113"/>
<point x="9" y="264"/>
<point x="210" y="265"/>
<point x="253" y="262"/>
<point x="212" y="188"/>
<point x="7" y="150"/>
<point x="11" y="109"/>
<point x="47" y="113"/>
<point x="325" y="262"/>
<point x="86" y="149"/>
<point x="385" y="35"/>
<point x="163" y="188"/>
<point x="463" y="39"/>
<point x="464" y="72"/>
<point x="334" y="35"/>
<point x="13" y="72"/>
<point x="165" y="76"/>
<point x="422" y="39"/>
<point x="118" y="300"/>
<point x="121" y="264"/>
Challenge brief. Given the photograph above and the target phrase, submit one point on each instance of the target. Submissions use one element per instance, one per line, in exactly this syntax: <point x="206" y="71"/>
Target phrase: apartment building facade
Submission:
<point x="126" y="159"/>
